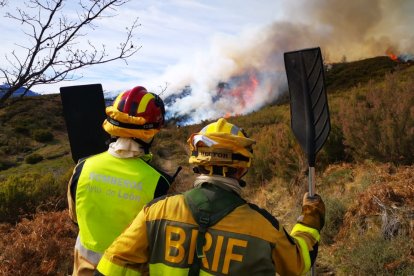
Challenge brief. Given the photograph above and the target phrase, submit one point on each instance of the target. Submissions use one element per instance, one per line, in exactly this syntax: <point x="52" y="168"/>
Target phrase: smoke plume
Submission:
<point x="241" y="74"/>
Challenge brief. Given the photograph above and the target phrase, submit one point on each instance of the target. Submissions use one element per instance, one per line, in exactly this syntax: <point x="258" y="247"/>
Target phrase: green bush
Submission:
<point x="334" y="149"/>
<point x="380" y="127"/>
<point x="15" y="145"/>
<point x="5" y="163"/>
<point x="41" y="135"/>
<point x="33" y="158"/>
<point x="22" y="130"/>
<point x="337" y="177"/>
<point x="25" y="193"/>
<point x="374" y="255"/>
<point x="276" y="153"/>
<point x="335" y="211"/>
<point x="348" y="74"/>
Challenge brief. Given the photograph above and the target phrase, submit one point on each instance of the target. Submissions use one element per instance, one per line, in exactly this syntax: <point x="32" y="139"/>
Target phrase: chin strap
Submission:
<point x="145" y="146"/>
<point x="133" y="126"/>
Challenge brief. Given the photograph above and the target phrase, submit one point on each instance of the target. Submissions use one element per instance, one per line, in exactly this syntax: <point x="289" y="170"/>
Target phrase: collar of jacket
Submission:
<point x="224" y="182"/>
<point x="125" y="148"/>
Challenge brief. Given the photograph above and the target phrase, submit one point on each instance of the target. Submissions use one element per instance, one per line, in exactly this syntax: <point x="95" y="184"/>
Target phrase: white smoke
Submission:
<point x="351" y="29"/>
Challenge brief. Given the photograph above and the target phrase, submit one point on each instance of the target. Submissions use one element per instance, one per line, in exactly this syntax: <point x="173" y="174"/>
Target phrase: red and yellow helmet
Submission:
<point x="135" y="113"/>
<point x="221" y="144"/>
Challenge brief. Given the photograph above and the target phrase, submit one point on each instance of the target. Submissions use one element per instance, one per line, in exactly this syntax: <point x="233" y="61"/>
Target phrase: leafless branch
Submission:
<point x="163" y="88"/>
<point x="54" y="50"/>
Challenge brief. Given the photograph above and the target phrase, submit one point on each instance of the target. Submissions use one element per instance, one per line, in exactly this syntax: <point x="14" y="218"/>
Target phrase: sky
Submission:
<point x="229" y="52"/>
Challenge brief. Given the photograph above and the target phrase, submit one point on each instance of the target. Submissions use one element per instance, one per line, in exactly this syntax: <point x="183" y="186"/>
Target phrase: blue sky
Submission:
<point x="171" y="31"/>
<point x="204" y="42"/>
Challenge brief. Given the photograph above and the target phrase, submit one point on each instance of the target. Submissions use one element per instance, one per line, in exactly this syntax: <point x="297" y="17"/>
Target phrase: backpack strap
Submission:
<point x="208" y="204"/>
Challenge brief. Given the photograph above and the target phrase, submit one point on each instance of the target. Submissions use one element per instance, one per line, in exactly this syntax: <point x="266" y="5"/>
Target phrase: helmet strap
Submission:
<point x="133" y="126"/>
<point x="111" y="140"/>
<point x="145" y="146"/>
<point x="218" y="170"/>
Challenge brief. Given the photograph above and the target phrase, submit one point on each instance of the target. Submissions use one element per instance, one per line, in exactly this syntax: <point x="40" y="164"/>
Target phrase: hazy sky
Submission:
<point x="205" y="42"/>
<point x="170" y="31"/>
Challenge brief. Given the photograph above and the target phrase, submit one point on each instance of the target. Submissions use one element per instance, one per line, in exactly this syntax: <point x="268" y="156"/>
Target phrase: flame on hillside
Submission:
<point x="240" y="90"/>
<point x="405" y="58"/>
<point x="391" y="53"/>
<point x="241" y="74"/>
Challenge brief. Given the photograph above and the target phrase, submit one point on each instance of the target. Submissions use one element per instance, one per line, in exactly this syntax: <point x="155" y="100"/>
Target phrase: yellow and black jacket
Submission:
<point x="247" y="241"/>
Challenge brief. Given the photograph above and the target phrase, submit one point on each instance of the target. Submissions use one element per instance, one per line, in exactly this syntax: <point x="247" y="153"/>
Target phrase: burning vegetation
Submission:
<point x="240" y="94"/>
<point x="366" y="174"/>
<point x="402" y="58"/>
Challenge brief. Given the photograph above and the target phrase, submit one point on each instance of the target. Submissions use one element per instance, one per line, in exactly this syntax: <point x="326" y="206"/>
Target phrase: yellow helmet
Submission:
<point x="221" y="144"/>
<point x="135" y="113"/>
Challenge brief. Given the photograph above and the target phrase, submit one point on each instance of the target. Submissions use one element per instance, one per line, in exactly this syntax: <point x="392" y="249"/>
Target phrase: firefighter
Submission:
<point x="107" y="190"/>
<point x="211" y="229"/>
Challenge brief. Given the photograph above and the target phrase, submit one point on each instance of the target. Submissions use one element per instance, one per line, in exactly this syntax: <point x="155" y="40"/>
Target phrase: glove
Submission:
<point x="313" y="212"/>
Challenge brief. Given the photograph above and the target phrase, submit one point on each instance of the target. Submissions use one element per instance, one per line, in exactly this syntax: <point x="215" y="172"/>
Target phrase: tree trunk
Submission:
<point x="7" y="95"/>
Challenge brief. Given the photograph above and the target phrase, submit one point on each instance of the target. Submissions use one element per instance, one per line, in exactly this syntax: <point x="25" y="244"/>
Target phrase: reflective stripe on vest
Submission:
<point x="107" y="267"/>
<point x="110" y="193"/>
<point x="296" y="234"/>
<point x="92" y="256"/>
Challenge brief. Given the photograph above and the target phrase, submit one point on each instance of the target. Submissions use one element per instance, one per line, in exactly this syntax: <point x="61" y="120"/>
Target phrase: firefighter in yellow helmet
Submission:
<point x="107" y="190"/>
<point x="210" y="229"/>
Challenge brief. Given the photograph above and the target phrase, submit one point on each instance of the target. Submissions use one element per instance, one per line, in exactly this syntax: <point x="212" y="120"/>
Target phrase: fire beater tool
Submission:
<point x="84" y="113"/>
<point x="309" y="110"/>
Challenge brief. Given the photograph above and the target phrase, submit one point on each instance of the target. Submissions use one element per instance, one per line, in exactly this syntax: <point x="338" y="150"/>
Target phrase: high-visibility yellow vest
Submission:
<point x="110" y="193"/>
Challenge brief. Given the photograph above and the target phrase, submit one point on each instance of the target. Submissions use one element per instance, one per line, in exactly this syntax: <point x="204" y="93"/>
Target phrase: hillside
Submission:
<point x="365" y="174"/>
<point x="19" y="92"/>
<point x="342" y="76"/>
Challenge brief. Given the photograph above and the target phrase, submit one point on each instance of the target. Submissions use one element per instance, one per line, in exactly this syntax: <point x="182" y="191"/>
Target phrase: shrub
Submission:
<point x="334" y="149"/>
<point x="373" y="255"/>
<point x="276" y="153"/>
<point x="41" y="135"/>
<point x="33" y="158"/>
<point x="42" y="246"/>
<point x="381" y="126"/>
<point x="5" y="163"/>
<point x="335" y="211"/>
<point x="22" y="130"/>
<point x="255" y="121"/>
<point x="337" y="176"/>
<point x="15" y="145"/>
<point x="23" y="194"/>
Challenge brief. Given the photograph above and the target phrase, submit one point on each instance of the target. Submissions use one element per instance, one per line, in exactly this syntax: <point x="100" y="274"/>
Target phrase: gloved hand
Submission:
<point x="313" y="212"/>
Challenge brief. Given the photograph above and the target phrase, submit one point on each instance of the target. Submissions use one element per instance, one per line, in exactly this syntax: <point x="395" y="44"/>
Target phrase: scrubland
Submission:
<point x="364" y="173"/>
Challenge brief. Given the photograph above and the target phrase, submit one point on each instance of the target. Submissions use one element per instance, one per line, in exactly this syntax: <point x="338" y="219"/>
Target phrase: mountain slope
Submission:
<point x="18" y="93"/>
<point x="364" y="174"/>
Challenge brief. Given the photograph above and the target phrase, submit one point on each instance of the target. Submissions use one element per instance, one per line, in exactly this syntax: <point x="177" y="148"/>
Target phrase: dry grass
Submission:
<point x="375" y="236"/>
<point x="42" y="246"/>
<point x="387" y="204"/>
<point x="370" y="204"/>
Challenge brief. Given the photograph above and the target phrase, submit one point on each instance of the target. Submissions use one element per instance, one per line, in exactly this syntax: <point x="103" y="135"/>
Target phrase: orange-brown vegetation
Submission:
<point x="387" y="204"/>
<point x="41" y="246"/>
<point x="364" y="173"/>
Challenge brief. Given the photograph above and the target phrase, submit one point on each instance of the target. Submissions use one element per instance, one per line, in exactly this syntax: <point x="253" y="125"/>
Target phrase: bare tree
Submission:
<point x="163" y="88"/>
<point x="55" y="50"/>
